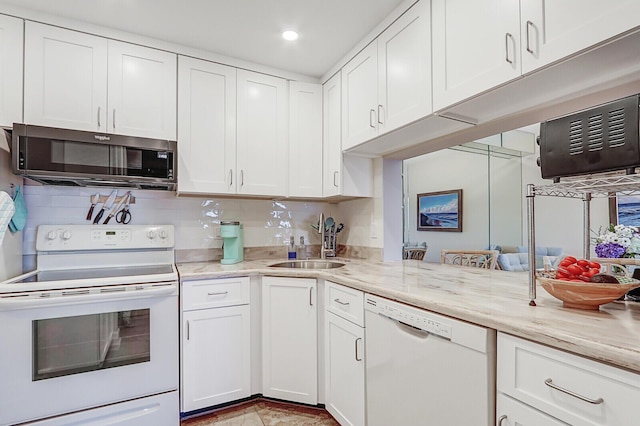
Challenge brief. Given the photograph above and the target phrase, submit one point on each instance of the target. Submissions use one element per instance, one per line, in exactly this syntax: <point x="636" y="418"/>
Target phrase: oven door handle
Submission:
<point x="77" y="296"/>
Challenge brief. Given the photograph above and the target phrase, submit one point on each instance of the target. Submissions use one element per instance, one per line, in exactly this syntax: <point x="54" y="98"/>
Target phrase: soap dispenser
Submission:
<point x="302" y="249"/>
<point x="292" y="248"/>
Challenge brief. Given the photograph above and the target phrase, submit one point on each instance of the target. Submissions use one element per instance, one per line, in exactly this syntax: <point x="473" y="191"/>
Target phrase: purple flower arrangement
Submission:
<point x="618" y="241"/>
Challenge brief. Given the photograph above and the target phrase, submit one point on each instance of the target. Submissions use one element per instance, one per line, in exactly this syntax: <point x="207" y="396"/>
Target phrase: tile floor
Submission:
<point x="262" y="412"/>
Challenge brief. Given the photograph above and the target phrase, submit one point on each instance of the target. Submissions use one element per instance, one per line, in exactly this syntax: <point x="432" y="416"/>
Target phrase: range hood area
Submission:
<point x="54" y="156"/>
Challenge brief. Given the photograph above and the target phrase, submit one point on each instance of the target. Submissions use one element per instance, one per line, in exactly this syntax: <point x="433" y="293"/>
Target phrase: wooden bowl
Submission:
<point x="584" y="295"/>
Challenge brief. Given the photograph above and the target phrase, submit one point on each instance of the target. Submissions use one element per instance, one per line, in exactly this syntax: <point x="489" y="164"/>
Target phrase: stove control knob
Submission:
<point x="52" y="235"/>
<point x="163" y="234"/>
<point x="151" y="234"/>
<point x="66" y="235"/>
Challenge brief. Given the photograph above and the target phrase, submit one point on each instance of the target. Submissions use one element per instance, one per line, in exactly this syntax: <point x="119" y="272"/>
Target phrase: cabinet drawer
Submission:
<point x="571" y="388"/>
<point x="345" y="302"/>
<point x="203" y="294"/>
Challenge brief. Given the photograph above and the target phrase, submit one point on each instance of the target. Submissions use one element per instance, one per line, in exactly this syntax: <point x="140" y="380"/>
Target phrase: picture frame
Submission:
<point x="440" y="211"/>
<point x="624" y="209"/>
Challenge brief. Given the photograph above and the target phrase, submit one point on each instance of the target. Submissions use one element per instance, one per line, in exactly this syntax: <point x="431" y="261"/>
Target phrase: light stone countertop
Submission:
<point x="494" y="299"/>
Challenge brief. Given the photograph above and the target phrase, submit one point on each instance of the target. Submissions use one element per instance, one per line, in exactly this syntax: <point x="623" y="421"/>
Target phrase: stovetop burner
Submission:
<point x="82" y="274"/>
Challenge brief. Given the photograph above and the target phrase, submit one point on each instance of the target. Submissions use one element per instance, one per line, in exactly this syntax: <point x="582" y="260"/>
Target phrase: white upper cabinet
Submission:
<point x="206" y="127"/>
<point x="11" y="42"/>
<point x="404" y="69"/>
<point x="79" y="81"/>
<point x="305" y="139"/>
<point x="65" y="78"/>
<point x="262" y="134"/>
<point x="343" y="174"/>
<point x="387" y="85"/>
<point x="552" y="30"/>
<point x="360" y="97"/>
<point x="476" y="46"/>
<point x="142" y="91"/>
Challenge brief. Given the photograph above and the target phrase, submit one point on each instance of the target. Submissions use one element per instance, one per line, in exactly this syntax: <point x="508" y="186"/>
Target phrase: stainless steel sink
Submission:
<point x="308" y="264"/>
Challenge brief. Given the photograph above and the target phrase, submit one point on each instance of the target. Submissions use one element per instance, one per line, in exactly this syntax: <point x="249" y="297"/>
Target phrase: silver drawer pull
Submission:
<point x="218" y="293"/>
<point x="340" y="302"/>
<point x="552" y="385"/>
<point x="501" y="419"/>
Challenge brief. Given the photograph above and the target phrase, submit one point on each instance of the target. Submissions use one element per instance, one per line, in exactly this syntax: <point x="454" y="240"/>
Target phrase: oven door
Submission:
<point x="88" y="351"/>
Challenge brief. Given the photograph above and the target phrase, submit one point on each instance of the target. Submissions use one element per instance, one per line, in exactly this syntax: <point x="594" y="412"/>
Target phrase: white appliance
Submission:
<point x="427" y="369"/>
<point x="91" y="336"/>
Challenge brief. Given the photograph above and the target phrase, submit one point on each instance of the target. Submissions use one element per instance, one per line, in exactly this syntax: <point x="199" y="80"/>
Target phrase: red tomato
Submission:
<point x="570" y="258"/>
<point x="574" y="269"/>
<point x="594" y="265"/>
<point x="593" y="271"/>
<point x="562" y="272"/>
<point x="583" y="262"/>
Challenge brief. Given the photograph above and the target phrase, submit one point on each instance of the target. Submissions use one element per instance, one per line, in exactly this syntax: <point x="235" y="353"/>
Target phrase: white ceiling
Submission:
<point x="245" y="29"/>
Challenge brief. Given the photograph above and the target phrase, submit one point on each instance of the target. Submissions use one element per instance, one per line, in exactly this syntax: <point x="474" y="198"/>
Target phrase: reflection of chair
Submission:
<point x="416" y="253"/>
<point x="485" y="259"/>
<point x="515" y="262"/>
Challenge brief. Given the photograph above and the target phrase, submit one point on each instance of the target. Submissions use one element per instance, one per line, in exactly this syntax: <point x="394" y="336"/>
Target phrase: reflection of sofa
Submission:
<point x="541" y="252"/>
<point x="514" y="262"/>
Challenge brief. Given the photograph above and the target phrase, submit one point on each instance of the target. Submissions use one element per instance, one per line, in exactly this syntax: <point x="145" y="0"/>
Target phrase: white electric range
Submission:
<point x="93" y="332"/>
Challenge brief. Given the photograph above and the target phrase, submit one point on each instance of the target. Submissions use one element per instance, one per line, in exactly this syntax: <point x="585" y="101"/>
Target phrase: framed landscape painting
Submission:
<point x="440" y="211"/>
<point x="625" y="210"/>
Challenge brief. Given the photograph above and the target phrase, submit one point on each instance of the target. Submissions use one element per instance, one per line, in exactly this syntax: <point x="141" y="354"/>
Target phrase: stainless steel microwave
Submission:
<point x="79" y="158"/>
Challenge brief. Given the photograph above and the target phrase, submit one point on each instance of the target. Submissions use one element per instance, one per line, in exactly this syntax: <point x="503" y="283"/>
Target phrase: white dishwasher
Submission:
<point x="427" y="369"/>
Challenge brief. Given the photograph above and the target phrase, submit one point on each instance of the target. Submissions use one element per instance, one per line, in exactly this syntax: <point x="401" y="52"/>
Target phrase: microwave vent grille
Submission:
<point x="616" y="128"/>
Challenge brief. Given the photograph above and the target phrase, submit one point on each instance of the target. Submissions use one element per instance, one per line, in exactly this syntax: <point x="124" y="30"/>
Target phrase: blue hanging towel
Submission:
<point x="19" y="219"/>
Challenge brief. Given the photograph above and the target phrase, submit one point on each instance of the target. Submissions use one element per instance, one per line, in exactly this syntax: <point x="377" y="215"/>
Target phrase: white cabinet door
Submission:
<point x="510" y="412"/>
<point x="404" y="69"/>
<point x="11" y="47"/>
<point x="476" y="46"/>
<point x="554" y="30"/>
<point x="360" y="97"/>
<point x="305" y="139"/>
<point x="262" y="134"/>
<point x="343" y="174"/>
<point x="216" y="362"/>
<point x="142" y="91"/>
<point x="206" y="127"/>
<point x="65" y="80"/>
<point x="289" y="339"/>
<point x="344" y="370"/>
<point x="332" y="138"/>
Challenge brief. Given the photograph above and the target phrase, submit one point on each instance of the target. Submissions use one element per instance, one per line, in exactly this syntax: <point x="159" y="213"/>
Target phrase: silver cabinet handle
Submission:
<point x="335" y="178"/>
<point x="380" y="114"/>
<point x="341" y="302"/>
<point x="188" y="328"/>
<point x="507" y="36"/>
<point x="241" y="177"/>
<point x="357" y="357"/>
<point x="218" y="293"/>
<point x="114" y="118"/>
<point x="552" y="385"/>
<point x="310" y="296"/>
<point x="501" y="419"/>
<point x="372" y="119"/>
<point x="230" y="177"/>
<point x="99" y="124"/>
<point x="529" y="25"/>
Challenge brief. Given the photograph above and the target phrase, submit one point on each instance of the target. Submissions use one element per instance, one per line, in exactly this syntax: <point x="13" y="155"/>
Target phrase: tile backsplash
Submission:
<point x="266" y="223"/>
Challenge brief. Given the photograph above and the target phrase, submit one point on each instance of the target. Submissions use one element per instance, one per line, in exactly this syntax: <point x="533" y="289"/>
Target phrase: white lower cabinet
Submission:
<point x="216" y="342"/>
<point x="289" y="339"/>
<point x="535" y="382"/>
<point x="344" y="354"/>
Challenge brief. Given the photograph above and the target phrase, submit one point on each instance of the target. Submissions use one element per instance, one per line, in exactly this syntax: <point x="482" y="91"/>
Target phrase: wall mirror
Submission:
<point x="490" y="173"/>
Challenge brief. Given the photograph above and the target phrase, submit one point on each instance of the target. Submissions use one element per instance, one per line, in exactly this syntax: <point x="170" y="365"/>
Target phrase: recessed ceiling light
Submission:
<point x="290" y="35"/>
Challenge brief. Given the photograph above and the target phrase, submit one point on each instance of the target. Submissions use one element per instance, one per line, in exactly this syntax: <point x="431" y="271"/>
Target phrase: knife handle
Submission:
<point x="90" y="212"/>
<point x="107" y="220"/>
<point x="98" y="217"/>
